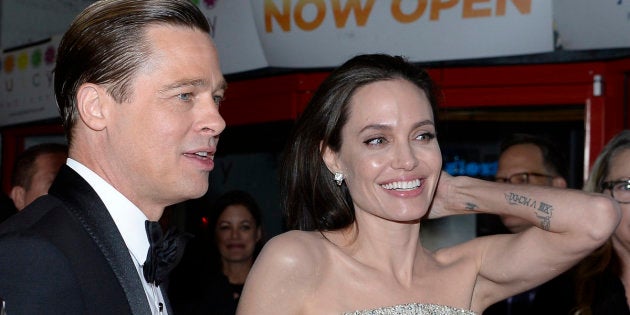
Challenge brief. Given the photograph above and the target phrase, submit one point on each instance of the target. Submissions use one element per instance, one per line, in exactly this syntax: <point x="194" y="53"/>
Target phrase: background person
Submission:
<point x="533" y="160"/>
<point x="138" y="85"/>
<point x="210" y="278"/>
<point x="34" y="171"/>
<point x="362" y="168"/>
<point x="237" y="235"/>
<point x="603" y="278"/>
<point x="527" y="159"/>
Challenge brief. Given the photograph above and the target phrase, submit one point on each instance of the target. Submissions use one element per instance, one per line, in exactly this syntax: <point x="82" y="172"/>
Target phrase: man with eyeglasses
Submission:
<point x="533" y="160"/>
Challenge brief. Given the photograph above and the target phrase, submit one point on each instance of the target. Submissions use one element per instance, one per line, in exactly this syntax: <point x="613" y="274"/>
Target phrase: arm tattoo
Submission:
<point x="544" y="215"/>
<point x="543" y="210"/>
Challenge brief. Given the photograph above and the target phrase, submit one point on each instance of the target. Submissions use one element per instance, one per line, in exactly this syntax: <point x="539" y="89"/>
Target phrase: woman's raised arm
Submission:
<point x="568" y="224"/>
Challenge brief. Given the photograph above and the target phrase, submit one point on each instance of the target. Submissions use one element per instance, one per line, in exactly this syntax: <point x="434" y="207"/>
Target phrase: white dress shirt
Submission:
<point x="130" y="223"/>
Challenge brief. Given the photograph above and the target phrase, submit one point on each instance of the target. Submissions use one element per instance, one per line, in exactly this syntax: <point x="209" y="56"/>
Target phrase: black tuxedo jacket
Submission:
<point x="63" y="254"/>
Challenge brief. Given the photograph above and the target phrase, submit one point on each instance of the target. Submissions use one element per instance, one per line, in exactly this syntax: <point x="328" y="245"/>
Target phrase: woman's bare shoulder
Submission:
<point x="288" y="264"/>
<point x="294" y="250"/>
<point x="297" y="238"/>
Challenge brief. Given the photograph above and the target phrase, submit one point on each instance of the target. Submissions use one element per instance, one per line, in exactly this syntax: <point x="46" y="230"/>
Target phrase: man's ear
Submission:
<point x="330" y="158"/>
<point x="18" y="195"/>
<point x="92" y="105"/>
<point x="559" y="181"/>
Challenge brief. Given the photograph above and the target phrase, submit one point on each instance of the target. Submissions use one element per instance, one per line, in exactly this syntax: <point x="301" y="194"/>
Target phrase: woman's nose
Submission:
<point x="404" y="158"/>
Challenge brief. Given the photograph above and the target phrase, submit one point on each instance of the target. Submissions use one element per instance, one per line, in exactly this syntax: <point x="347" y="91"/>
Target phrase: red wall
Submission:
<point x="283" y="97"/>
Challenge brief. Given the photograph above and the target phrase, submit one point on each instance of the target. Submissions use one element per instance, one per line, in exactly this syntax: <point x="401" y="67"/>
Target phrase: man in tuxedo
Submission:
<point x="138" y="85"/>
<point x="533" y="160"/>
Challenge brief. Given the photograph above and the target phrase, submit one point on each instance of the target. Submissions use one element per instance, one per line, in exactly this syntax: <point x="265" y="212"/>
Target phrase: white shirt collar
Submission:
<point x="127" y="216"/>
<point x="130" y="223"/>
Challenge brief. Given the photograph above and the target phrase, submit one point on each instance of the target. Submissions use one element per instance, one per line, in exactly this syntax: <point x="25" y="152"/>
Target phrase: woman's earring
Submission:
<point x="338" y="178"/>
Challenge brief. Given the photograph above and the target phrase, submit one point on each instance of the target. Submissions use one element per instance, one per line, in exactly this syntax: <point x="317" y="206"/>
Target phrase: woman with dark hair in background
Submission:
<point x="603" y="278"/>
<point x="361" y="171"/>
<point x="235" y="226"/>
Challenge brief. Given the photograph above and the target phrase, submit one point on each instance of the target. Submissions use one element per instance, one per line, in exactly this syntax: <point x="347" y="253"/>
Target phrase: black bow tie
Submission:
<point x="165" y="252"/>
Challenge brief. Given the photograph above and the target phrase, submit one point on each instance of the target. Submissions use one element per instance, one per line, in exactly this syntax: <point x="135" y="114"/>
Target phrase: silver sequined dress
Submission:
<point x="414" y="309"/>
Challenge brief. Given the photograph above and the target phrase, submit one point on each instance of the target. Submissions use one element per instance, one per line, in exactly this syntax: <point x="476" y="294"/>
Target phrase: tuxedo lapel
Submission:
<point x="167" y="302"/>
<point x="83" y="202"/>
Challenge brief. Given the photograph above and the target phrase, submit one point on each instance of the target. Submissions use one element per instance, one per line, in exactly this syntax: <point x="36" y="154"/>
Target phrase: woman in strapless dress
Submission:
<point x="361" y="171"/>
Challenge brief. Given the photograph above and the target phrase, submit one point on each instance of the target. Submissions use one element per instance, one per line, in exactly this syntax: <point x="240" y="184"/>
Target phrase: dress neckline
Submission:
<point x="414" y="309"/>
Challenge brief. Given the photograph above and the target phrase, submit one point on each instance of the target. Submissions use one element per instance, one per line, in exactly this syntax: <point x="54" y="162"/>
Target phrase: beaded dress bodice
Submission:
<point x="414" y="309"/>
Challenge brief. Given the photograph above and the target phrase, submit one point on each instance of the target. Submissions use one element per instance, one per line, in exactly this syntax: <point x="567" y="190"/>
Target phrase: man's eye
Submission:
<point x="218" y="100"/>
<point x="185" y="96"/>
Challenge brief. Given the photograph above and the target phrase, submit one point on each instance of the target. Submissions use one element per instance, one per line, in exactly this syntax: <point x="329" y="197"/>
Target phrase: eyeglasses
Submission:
<point x="619" y="190"/>
<point x="521" y="178"/>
